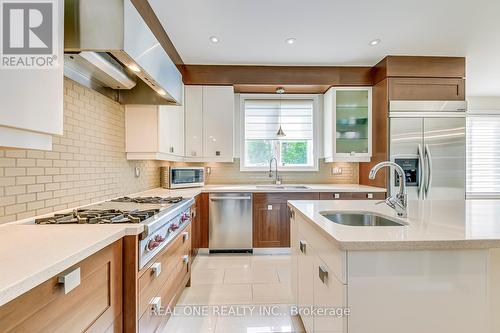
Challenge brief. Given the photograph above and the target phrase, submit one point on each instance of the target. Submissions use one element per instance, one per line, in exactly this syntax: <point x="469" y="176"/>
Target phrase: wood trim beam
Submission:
<point x="276" y="75"/>
<point x="156" y="27"/>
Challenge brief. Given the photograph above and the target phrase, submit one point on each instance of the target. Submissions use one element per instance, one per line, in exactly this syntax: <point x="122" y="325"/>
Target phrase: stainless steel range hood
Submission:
<point x="107" y="45"/>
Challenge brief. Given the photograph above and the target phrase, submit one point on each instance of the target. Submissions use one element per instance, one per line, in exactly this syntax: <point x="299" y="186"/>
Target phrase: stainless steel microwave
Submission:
<point x="182" y="177"/>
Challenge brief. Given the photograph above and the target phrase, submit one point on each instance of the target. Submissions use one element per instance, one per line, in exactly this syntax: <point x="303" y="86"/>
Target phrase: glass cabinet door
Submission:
<point x="352" y="122"/>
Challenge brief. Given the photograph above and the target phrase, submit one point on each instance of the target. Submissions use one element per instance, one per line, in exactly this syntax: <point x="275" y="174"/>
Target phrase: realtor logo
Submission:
<point x="28" y="34"/>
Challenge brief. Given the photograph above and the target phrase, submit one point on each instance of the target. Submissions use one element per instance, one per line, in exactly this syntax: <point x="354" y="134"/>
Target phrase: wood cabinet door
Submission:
<point x="196" y="226"/>
<point x="426" y="89"/>
<point x="95" y="305"/>
<point x="270" y="225"/>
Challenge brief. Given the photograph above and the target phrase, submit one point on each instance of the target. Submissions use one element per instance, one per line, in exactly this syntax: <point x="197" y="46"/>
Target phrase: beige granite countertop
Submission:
<point x="431" y="225"/>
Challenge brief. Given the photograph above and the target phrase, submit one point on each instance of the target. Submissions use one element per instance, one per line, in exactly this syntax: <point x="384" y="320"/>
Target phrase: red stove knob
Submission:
<point x="185" y="217"/>
<point x="152" y="244"/>
<point x="159" y="238"/>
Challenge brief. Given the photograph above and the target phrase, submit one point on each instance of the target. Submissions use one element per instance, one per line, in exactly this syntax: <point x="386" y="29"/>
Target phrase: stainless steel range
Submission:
<point x="163" y="219"/>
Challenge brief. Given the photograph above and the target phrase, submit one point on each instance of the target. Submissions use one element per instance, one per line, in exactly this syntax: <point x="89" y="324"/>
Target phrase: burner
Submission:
<point x="95" y="216"/>
<point x="149" y="200"/>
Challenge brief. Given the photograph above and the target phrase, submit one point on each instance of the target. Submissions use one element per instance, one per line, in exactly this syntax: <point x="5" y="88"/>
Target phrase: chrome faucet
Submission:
<point x="277" y="179"/>
<point x="399" y="202"/>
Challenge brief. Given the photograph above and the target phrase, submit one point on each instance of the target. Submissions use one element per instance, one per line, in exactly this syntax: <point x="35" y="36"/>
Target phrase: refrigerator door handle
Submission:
<point x="420" y="172"/>
<point x="428" y="158"/>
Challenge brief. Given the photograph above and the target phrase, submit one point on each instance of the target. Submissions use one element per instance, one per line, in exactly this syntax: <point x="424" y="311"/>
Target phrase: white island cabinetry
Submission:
<point x="392" y="279"/>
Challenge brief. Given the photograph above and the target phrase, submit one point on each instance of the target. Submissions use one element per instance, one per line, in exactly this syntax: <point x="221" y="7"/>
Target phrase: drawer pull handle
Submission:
<point x="156" y="267"/>
<point x="70" y="279"/>
<point x="303" y="246"/>
<point x="155" y="304"/>
<point x="185" y="236"/>
<point x="323" y="273"/>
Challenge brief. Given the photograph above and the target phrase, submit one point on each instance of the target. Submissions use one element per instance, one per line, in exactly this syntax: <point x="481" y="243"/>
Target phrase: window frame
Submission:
<point x="316" y="130"/>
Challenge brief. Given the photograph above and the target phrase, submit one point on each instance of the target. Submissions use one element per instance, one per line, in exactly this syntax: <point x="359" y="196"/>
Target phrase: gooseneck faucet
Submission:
<point x="277" y="179"/>
<point x="398" y="202"/>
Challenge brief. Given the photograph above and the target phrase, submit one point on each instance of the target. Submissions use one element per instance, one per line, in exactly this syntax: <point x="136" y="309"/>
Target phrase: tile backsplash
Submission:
<point x="87" y="164"/>
<point x="229" y="173"/>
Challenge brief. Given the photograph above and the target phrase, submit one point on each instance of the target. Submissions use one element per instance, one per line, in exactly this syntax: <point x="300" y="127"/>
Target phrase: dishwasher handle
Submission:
<point x="230" y="198"/>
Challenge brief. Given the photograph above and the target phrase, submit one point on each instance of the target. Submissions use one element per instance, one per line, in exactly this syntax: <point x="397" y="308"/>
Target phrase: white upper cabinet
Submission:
<point x="209" y="123"/>
<point x="31" y="99"/>
<point x="154" y="132"/>
<point x="194" y="121"/>
<point x="348" y="124"/>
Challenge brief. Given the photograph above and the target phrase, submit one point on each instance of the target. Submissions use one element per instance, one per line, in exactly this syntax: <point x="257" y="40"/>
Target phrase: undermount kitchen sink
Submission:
<point x="284" y="187"/>
<point x="361" y="219"/>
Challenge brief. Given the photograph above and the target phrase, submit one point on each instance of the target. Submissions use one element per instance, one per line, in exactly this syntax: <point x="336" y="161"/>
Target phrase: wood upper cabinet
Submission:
<point x="209" y="123"/>
<point x="95" y="305"/>
<point x="427" y="89"/>
<point x="271" y="220"/>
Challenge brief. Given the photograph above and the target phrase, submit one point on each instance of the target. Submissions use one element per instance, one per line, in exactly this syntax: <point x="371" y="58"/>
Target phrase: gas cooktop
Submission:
<point x="93" y="216"/>
<point x="149" y="200"/>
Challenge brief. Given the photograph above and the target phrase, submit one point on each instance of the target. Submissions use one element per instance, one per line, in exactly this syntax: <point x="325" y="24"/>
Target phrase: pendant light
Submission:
<point x="280" y="133"/>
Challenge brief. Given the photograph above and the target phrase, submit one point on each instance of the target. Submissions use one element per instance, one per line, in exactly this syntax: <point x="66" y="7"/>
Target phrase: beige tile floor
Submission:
<point x="240" y="293"/>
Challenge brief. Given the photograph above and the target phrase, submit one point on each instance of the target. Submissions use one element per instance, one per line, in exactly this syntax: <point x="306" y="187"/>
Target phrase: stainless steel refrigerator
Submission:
<point x="427" y="139"/>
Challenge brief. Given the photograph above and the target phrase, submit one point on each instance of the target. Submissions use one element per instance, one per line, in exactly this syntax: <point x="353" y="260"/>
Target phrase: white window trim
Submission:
<point x="316" y="130"/>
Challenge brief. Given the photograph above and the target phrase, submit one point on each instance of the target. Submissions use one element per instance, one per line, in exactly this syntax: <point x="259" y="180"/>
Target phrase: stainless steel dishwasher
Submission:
<point x="230" y="222"/>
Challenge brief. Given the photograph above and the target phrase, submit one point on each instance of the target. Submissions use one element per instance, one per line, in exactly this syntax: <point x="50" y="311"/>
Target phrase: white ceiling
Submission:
<point x="337" y="32"/>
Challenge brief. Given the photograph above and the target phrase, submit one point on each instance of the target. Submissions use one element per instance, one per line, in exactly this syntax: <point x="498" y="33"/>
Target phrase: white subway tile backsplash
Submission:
<point x="87" y="164"/>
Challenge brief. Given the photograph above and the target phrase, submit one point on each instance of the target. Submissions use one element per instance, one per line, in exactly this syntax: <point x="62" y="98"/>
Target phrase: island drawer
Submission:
<point x="325" y="249"/>
<point x="166" y="261"/>
<point x="329" y="294"/>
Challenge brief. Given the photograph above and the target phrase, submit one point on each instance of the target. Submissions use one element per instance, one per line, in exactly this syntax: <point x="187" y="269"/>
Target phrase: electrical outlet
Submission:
<point x="336" y="171"/>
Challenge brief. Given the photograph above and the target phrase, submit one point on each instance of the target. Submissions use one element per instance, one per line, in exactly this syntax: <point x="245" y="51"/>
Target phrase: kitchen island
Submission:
<point x="439" y="271"/>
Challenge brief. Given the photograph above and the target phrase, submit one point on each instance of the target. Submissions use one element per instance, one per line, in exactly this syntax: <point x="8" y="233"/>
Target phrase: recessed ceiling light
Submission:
<point x="161" y="92"/>
<point x="134" y="68"/>
<point x="375" y="42"/>
<point x="290" y="41"/>
<point x="214" y="39"/>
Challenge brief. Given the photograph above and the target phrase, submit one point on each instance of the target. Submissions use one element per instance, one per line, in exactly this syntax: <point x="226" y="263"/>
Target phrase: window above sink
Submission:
<point x="262" y="116"/>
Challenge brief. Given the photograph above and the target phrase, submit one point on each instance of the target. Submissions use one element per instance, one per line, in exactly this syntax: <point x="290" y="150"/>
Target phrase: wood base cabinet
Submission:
<point x="95" y="305"/>
<point x="271" y="221"/>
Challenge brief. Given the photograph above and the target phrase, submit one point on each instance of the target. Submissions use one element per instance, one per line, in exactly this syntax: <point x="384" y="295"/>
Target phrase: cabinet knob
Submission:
<point x="292" y="213"/>
<point x="369" y="195"/>
<point x="185" y="236"/>
<point x="156" y="267"/>
<point x="336" y="195"/>
<point x="323" y="273"/>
